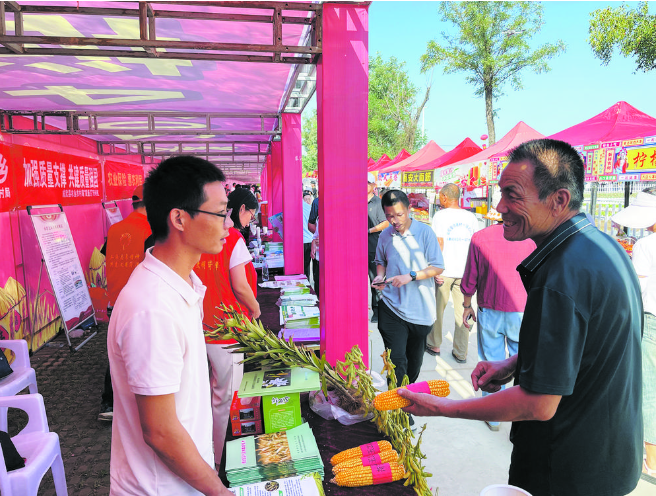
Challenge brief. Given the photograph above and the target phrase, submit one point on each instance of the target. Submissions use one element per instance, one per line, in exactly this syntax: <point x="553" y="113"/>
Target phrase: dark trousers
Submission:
<point x="406" y="341"/>
<point x="108" y="391"/>
<point x="315" y="274"/>
<point x="307" y="259"/>
<point x="375" y="294"/>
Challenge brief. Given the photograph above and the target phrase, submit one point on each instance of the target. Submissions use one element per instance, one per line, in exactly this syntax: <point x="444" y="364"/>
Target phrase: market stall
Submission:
<point x="618" y="147"/>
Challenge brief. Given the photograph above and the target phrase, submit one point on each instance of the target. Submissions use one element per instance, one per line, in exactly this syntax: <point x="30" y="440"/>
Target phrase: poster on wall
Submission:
<point x="44" y="177"/>
<point x="276" y="223"/>
<point x="121" y="179"/>
<point x="7" y="190"/>
<point x="389" y="179"/>
<point x="64" y="269"/>
<point x="114" y="214"/>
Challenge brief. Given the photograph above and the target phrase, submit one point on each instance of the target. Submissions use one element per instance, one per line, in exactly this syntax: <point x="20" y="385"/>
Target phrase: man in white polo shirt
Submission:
<point x="162" y="429"/>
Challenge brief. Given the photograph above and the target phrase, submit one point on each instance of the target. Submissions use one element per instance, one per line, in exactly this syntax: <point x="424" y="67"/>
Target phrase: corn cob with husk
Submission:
<point x="390" y="400"/>
<point x="367" y="476"/>
<point x="360" y="451"/>
<point x="351" y="376"/>
<point x="366" y="461"/>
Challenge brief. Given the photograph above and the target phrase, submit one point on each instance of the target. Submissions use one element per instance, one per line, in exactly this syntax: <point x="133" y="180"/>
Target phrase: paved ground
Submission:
<point x="464" y="456"/>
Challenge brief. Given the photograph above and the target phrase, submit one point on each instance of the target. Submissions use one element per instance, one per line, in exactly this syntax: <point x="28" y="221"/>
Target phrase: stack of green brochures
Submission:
<point x="298" y="317"/>
<point x="278" y="381"/>
<point x="279" y="455"/>
<point x="305" y="485"/>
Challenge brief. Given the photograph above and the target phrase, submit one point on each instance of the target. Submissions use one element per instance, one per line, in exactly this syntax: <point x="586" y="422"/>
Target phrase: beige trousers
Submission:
<point x="451" y="287"/>
<point x="225" y="377"/>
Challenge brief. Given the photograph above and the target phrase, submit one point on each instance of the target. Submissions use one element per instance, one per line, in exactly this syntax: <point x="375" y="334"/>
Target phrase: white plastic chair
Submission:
<point x="37" y="445"/>
<point x="22" y="377"/>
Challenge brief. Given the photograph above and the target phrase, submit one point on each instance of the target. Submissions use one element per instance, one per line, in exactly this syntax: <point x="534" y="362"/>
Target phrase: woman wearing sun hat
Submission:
<point x="641" y="214"/>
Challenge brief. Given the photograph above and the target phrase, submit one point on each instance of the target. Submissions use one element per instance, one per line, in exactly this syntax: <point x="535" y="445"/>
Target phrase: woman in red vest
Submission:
<point x="231" y="280"/>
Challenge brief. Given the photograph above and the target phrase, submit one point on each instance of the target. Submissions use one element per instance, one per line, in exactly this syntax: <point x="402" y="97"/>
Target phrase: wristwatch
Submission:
<point x="413" y="274"/>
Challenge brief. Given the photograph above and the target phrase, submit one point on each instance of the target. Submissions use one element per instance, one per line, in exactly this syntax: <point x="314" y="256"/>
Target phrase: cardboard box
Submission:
<point x="245" y="409"/>
<point x="246" y="427"/>
<point x="281" y="412"/>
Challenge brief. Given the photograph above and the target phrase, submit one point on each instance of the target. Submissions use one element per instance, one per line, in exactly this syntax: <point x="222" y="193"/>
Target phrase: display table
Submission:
<point x="332" y="437"/>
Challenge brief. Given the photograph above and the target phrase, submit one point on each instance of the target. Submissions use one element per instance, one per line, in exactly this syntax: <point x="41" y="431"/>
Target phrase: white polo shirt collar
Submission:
<point x="192" y="295"/>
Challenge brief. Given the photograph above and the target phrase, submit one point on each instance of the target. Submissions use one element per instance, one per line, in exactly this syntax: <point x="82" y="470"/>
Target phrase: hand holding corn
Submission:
<point x="391" y="400"/>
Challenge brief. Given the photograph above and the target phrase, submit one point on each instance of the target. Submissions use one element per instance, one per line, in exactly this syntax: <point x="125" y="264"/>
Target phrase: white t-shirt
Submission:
<point x="644" y="262"/>
<point x="240" y="254"/>
<point x="456" y="227"/>
<point x="156" y="346"/>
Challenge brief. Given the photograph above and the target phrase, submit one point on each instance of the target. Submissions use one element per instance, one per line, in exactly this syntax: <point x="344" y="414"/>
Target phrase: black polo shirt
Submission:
<point x="376" y="216"/>
<point x="580" y="339"/>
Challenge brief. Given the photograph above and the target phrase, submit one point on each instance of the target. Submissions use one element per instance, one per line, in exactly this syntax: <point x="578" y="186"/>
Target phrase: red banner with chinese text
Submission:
<point x="45" y="177"/>
<point x="8" y="195"/>
<point x="121" y="179"/>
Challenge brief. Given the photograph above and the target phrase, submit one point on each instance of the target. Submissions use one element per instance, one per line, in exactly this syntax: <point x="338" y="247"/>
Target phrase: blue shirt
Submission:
<point x="415" y="250"/>
<point x="307" y="235"/>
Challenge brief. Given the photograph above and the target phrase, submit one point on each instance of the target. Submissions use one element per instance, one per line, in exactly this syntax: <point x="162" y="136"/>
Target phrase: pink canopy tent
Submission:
<point x="402" y="155"/>
<point x="519" y="134"/>
<point x="619" y="122"/>
<point x="381" y="162"/>
<point x="465" y="149"/>
<point x="370" y="162"/>
<point x="431" y="151"/>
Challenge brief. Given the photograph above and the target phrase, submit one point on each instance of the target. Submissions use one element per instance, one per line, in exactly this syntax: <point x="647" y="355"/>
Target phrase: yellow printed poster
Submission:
<point x="641" y="159"/>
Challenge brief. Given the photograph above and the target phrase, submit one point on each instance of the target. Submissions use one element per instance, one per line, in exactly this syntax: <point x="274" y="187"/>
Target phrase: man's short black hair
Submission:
<point x="556" y="165"/>
<point x="394" y="196"/>
<point x="306" y="193"/>
<point x="177" y="182"/>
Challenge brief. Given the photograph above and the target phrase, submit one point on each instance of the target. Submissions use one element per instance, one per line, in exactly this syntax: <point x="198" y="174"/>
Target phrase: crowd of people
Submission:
<point x="560" y="312"/>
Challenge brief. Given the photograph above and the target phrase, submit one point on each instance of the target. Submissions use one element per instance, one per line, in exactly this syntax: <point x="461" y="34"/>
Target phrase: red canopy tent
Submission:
<point x="381" y="162"/>
<point x="402" y="155"/>
<point x="465" y="149"/>
<point x="431" y="151"/>
<point x="619" y="122"/>
<point x="519" y="134"/>
<point x="370" y="162"/>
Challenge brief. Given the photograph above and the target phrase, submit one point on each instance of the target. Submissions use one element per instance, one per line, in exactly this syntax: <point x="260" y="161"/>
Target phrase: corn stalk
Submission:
<point x="349" y="378"/>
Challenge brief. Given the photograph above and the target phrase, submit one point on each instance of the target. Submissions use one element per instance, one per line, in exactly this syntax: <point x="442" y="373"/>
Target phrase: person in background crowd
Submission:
<point x="454" y="228"/>
<point x="256" y="192"/>
<point x="231" y="280"/>
<point x="125" y="249"/>
<point x="491" y="273"/>
<point x="377" y="222"/>
<point x="162" y="429"/>
<point x="307" y="235"/>
<point x="312" y="226"/>
<point x="314" y="254"/>
<point x="243" y="205"/>
<point x="576" y="403"/>
<point x="641" y="214"/>
<point x="408" y="258"/>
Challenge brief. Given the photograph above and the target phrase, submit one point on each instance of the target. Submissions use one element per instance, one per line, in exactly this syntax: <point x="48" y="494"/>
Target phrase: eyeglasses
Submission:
<point x="225" y="215"/>
<point x="253" y="214"/>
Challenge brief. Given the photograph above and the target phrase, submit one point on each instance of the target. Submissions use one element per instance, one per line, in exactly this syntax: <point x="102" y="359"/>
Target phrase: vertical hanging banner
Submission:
<point x="50" y="177"/>
<point x="64" y="269"/>
<point x="114" y="214"/>
<point x="121" y="179"/>
<point x="8" y="196"/>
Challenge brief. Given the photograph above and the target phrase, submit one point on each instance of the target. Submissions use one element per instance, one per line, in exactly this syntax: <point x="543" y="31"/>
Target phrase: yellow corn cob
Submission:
<point x="366" y="461"/>
<point x="367" y="476"/>
<point x="360" y="451"/>
<point x="390" y="400"/>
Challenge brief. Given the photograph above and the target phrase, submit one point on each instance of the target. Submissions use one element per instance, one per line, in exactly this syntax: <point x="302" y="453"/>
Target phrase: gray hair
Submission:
<point x="556" y="165"/>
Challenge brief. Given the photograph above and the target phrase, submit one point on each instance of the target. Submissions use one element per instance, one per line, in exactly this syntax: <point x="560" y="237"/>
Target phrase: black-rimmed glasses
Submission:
<point x="225" y="215"/>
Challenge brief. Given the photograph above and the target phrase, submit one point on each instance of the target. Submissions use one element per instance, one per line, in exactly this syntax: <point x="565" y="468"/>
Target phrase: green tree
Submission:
<point x="633" y="32"/>
<point x="491" y="46"/>
<point x="309" y="140"/>
<point x="393" y="113"/>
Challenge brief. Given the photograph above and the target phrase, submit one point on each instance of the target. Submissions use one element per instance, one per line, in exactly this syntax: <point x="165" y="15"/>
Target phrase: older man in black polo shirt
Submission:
<point x="576" y="403"/>
<point x="377" y="222"/>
